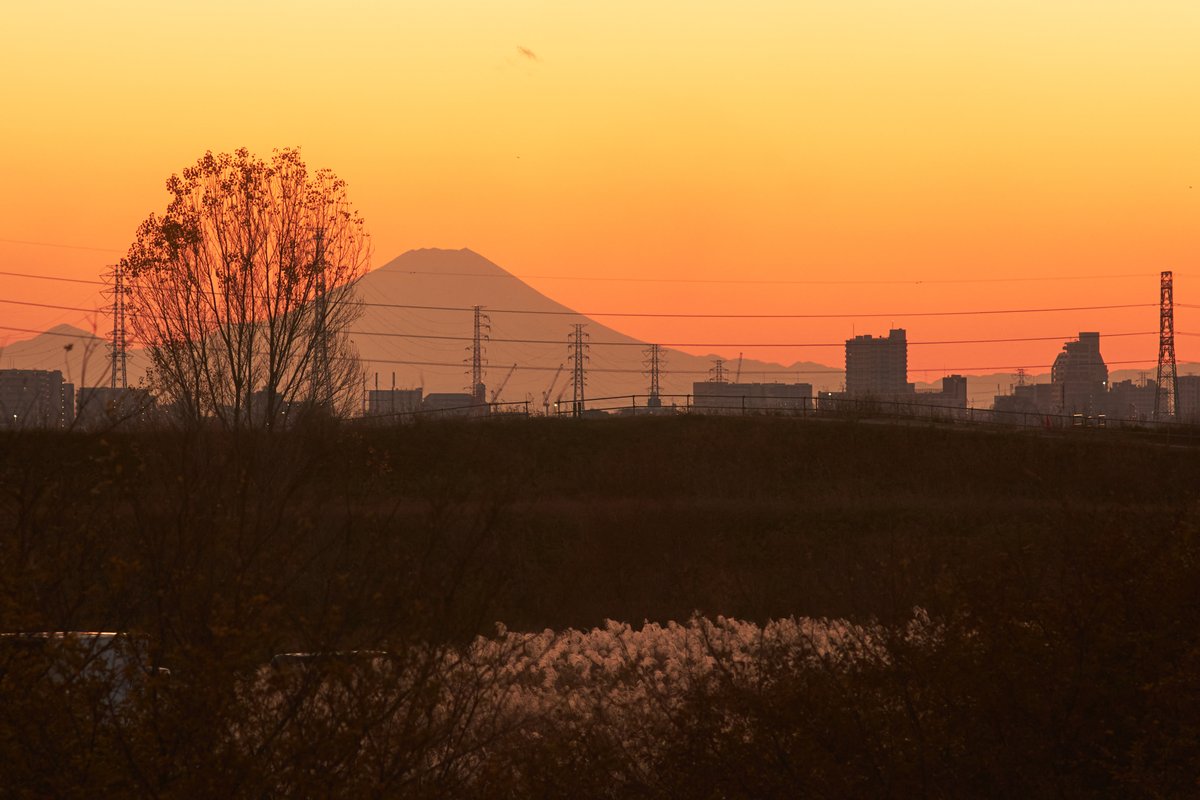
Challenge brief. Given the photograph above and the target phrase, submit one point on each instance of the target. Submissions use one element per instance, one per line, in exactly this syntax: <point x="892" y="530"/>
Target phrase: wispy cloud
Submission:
<point x="525" y="51"/>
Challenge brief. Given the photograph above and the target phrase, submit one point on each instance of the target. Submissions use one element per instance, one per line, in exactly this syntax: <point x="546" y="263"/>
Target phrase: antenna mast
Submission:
<point x="322" y="376"/>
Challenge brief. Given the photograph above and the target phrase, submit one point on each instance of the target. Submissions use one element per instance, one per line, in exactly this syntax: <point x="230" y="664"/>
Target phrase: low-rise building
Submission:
<point x="1187" y="400"/>
<point x="1129" y="401"/>
<point x="1029" y="403"/>
<point x="394" y="403"/>
<point x="713" y="397"/>
<point x="952" y="396"/>
<point x="104" y="408"/>
<point x="452" y="404"/>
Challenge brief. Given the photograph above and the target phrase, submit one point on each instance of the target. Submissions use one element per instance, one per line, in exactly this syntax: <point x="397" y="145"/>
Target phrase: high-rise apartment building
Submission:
<point x="878" y="366"/>
<point x="35" y="398"/>
<point x="1082" y="373"/>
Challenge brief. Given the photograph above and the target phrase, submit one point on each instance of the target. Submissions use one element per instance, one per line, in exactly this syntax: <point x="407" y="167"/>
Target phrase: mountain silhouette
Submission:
<point x="449" y="282"/>
<point x="81" y="356"/>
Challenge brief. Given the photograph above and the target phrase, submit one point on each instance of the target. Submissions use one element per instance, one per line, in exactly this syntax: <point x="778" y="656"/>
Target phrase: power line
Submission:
<point x="51" y="305"/>
<point x="440" y="337"/>
<point x="760" y="281"/>
<point x="611" y="279"/>
<point x="435" y="337"/>
<point x="665" y="315"/>
<point x="662" y="315"/>
<point x="51" y="277"/>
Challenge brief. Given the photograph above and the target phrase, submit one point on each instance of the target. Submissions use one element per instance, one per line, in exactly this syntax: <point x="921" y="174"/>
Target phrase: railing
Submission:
<point x="862" y="409"/>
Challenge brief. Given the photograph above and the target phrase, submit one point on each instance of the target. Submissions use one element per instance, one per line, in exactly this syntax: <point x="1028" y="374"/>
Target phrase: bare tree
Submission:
<point x="243" y="292"/>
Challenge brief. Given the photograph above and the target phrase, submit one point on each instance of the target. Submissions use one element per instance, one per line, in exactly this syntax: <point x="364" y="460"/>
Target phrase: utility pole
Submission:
<point x="483" y="328"/>
<point x="653" y="363"/>
<point x="118" y="344"/>
<point x="577" y="346"/>
<point x="1166" y="392"/>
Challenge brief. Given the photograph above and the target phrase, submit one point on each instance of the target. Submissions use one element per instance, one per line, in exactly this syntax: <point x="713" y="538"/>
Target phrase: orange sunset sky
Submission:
<point x="852" y="148"/>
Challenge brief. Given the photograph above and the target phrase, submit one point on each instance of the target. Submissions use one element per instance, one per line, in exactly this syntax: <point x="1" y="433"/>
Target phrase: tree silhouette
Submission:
<point x="242" y="291"/>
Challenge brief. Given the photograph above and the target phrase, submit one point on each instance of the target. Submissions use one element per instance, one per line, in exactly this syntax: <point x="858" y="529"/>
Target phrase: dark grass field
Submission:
<point x="577" y="521"/>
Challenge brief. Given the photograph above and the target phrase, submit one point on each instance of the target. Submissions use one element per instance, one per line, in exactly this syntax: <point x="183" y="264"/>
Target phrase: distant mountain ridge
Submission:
<point x="81" y="356"/>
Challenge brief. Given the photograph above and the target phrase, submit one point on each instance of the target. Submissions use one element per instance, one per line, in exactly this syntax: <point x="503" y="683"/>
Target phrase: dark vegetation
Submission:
<point x="1062" y="575"/>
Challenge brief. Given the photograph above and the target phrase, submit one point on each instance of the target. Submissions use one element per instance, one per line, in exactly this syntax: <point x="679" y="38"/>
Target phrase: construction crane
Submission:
<point x="561" y="392"/>
<point x="503" y="383"/>
<point x="550" y="389"/>
<point x="737" y="376"/>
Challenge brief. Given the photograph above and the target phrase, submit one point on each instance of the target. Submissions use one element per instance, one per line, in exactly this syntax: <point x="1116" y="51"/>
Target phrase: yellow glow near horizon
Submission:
<point x="857" y="140"/>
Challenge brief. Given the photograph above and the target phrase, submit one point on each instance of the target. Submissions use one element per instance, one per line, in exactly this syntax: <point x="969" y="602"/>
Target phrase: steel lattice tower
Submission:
<point x="118" y="345"/>
<point x="322" y="376"/>
<point x="1166" y="392"/>
<point x="578" y="348"/>
<point x="717" y="373"/>
<point x="483" y="328"/>
<point x="653" y="363"/>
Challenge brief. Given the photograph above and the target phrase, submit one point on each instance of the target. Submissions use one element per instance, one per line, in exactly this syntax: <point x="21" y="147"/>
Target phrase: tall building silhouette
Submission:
<point x="35" y="398"/>
<point x="1081" y="372"/>
<point x="877" y="366"/>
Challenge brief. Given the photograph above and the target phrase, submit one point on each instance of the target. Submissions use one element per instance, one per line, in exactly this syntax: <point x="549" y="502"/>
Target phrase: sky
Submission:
<point x="861" y="158"/>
